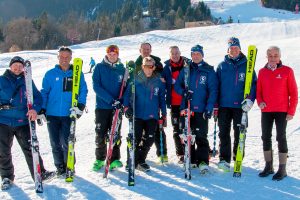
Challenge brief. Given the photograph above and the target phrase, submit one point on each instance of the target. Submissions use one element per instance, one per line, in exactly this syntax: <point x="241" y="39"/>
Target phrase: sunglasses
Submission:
<point x="149" y="66"/>
<point x="64" y="48"/>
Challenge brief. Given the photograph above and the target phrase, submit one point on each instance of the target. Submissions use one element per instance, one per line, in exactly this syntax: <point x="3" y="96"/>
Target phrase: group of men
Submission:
<point x="217" y="93"/>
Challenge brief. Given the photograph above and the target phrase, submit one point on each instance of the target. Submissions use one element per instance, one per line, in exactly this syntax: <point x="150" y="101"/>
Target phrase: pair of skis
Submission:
<point x="114" y="135"/>
<point x="33" y="137"/>
<point x="187" y="138"/>
<point x="70" y="170"/>
<point x="252" y="51"/>
<point x="131" y="135"/>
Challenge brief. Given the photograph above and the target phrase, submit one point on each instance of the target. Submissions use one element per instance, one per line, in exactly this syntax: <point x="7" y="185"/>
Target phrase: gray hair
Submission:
<point x="173" y="47"/>
<point x="276" y="48"/>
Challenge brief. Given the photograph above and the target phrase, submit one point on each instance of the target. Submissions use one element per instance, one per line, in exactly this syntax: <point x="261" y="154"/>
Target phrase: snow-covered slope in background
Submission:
<point x="247" y="11"/>
<point x="167" y="182"/>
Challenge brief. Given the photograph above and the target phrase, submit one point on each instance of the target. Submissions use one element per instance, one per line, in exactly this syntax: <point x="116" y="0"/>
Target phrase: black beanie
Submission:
<point x="16" y="59"/>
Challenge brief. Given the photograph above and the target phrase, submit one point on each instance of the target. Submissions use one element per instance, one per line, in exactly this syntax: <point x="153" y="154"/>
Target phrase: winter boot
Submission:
<point x="203" y="167"/>
<point x="48" y="175"/>
<point x="98" y="164"/>
<point x="115" y="164"/>
<point x="143" y="167"/>
<point x="61" y="170"/>
<point x="269" y="164"/>
<point x="181" y="159"/>
<point x="281" y="173"/>
<point x="224" y="166"/>
<point x="162" y="159"/>
<point x="6" y="184"/>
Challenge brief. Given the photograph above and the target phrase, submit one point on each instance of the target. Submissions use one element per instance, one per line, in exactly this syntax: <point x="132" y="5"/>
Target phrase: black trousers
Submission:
<point x="267" y="121"/>
<point x="226" y="116"/>
<point x="22" y="134"/>
<point x="103" y="125"/>
<point x="144" y="138"/>
<point x="175" y="119"/>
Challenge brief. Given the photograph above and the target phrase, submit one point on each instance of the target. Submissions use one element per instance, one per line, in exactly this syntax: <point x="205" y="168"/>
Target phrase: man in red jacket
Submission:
<point x="277" y="97"/>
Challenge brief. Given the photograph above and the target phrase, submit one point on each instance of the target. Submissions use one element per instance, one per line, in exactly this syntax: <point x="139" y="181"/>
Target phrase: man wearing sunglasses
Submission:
<point x="57" y="105"/>
<point x="14" y="117"/>
<point x="149" y="101"/>
<point x="232" y="75"/>
<point x="107" y="80"/>
<point x="202" y="94"/>
<point x="145" y="51"/>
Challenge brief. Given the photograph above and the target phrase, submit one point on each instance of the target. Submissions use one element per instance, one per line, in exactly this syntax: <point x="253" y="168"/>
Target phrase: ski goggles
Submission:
<point x="112" y="48"/>
<point x="149" y="66"/>
<point x="64" y="48"/>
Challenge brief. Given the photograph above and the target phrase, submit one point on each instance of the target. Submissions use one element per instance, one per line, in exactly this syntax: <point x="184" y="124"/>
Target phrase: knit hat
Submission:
<point x="197" y="48"/>
<point x="16" y="59"/>
<point x="233" y="41"/>
<point x="112" y="48"/>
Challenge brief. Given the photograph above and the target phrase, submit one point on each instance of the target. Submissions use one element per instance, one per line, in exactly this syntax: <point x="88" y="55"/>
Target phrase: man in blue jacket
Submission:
<point x="202" y="93"/>
<point x="231" y="74"/>
<point x="107" y="80"/>
<point x="57" y="105"/>
<point x="149" y="101"/>
<point x="14" y="120"/>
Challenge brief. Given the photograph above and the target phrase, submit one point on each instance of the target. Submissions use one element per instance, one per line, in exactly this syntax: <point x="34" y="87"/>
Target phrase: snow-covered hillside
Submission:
<point x="167" y="182"/>
<point x="246" y="11"/>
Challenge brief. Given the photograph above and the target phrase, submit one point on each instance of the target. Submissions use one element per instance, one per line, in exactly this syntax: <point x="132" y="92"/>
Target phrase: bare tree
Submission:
<point x="20" y="32"/>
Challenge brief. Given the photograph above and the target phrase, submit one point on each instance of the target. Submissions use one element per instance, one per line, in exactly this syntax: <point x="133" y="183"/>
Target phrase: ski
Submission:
<point x="131" y="135"/>
<point x="77" y="68"/>
<point x="32" y="125"/>
<point x="252" y="51"/>
<point x="114" y="136"/>
<point x="187" y="137"/>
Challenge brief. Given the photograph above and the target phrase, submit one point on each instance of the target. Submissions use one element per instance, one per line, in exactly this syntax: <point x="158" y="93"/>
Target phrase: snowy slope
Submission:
<point x="167" y="182"/>
<point x="246" y="11"/>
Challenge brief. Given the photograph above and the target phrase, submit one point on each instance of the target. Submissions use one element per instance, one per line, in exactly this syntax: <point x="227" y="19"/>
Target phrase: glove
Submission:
<point x="247" y="105"/>
<point x="188" y="94"/>
<point x="77" y="111"/>
<point x="116" y="104"/>
<point x="207" y="115"/>
<point x="41" y="117"/>
<point x="128" y="113"/>
<point x="164" y="118"/>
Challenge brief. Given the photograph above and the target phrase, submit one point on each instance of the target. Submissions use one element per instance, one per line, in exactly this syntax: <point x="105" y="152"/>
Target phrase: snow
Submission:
<point x="167" y="182"/>
<point x="247" y="11"/>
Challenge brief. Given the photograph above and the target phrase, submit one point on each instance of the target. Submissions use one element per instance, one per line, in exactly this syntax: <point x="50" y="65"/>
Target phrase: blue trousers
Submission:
<point x="59" y="131"/>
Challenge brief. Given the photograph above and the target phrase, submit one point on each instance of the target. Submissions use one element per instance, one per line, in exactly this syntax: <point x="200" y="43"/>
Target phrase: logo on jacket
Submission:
<point x="57" y="78"/>
<point x="156" y="90"/>
<point x="120" y="78"/>
<point x="241" y="76"/>
<point x="278" y="76"/>
<point x="202" y="80"/>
